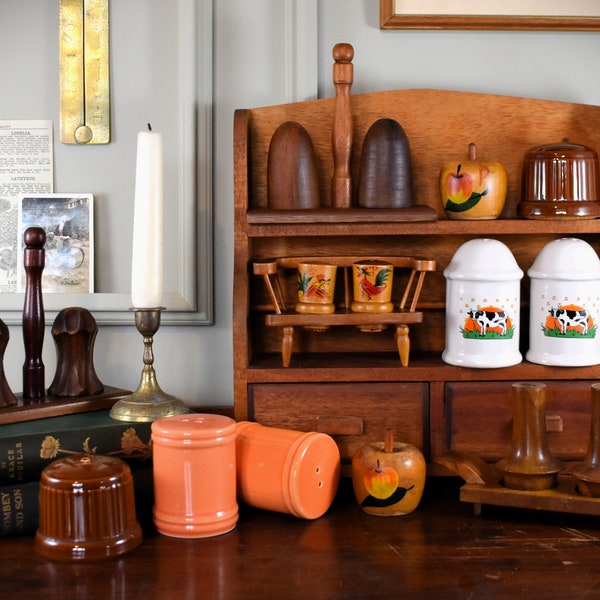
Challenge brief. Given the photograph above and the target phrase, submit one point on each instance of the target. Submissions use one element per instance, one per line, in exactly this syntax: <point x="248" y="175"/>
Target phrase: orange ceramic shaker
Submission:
<point x="286" y="471"/>
<point x="194" y="475"/>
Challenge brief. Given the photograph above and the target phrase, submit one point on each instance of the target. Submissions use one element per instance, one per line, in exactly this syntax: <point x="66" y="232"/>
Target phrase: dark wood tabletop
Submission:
<point x="442" y="550"/>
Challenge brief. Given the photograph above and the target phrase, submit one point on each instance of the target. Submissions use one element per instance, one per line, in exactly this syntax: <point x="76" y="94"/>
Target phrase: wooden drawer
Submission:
<point x="352" y="413"/>
<point x="479" y="418"/>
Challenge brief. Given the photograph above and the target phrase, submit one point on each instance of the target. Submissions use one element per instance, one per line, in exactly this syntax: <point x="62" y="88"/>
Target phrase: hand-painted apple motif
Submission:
<point x="459" y="186"/>
<point x="388" y="478"/>
<point x="473" y="189"/>
<point x="381" y="482"/>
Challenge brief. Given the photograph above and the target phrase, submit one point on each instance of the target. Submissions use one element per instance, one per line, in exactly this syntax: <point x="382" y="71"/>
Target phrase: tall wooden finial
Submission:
<point x="343" y="77"/>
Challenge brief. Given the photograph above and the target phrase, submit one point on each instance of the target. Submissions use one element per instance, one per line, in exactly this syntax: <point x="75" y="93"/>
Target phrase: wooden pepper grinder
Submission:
<point x="33" y="313"/>
<point x="7" y="398"/>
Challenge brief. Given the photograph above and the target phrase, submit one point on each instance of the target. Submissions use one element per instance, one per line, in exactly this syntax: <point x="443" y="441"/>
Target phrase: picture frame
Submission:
<point x="68" y="220"/>
<point x="557" y="15"/>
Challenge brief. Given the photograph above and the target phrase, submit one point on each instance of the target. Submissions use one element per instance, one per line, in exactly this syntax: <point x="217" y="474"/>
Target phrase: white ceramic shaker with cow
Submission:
<point x="483" y="297"/>
<point x="565" y="305"/>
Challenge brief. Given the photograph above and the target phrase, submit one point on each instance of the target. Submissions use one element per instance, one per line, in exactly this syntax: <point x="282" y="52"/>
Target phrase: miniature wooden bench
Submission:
<point x="343" y="315"/>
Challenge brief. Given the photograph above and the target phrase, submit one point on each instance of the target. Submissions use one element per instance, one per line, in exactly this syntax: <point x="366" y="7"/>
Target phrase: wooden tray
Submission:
<point x="484" y="487"/>
<point x="51" y="406"/>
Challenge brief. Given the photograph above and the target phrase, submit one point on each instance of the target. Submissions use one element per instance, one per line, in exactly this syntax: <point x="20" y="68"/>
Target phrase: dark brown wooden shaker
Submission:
<point x="385" y="167"/>
<point x="74" y="332"/>
<point x="292" y="180"/>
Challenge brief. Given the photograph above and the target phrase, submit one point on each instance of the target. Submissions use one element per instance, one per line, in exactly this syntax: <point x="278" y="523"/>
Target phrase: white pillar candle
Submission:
<point x="147" y="256"/>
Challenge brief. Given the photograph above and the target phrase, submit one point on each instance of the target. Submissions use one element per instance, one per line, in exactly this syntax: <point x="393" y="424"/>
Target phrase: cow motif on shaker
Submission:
<point x="569" y="320"/>
<point x="488" y="322"/>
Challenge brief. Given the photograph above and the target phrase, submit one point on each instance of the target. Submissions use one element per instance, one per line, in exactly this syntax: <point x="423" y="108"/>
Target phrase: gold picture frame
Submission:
<point x="579" y="15"/>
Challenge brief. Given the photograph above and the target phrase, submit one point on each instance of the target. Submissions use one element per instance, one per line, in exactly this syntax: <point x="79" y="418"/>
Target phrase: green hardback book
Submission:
<point x="20" y="508"/>
<point x="27" y="447"/>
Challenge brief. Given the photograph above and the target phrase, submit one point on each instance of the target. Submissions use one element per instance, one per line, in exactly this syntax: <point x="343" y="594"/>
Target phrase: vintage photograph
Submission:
<point x="68" y="222"/>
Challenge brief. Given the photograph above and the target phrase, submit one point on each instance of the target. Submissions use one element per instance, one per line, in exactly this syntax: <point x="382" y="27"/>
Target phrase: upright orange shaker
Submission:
<point x="194" y="475"/>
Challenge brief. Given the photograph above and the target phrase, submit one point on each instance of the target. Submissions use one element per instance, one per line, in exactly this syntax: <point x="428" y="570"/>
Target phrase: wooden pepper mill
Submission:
<point x="34" y="257"/>
<point x="530" y="466"/>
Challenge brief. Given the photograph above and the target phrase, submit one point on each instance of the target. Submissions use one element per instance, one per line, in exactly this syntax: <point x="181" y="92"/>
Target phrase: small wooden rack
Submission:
<point x="343" y="315"/>
<point x="484" y="486"/>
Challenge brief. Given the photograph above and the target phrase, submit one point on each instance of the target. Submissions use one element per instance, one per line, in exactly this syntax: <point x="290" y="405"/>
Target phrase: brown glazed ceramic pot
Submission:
<point x="560" y="181"/>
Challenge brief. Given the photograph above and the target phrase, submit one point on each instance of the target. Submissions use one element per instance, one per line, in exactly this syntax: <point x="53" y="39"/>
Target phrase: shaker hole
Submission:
<point x="320" y="484"/>
<point x="318" y="470"/>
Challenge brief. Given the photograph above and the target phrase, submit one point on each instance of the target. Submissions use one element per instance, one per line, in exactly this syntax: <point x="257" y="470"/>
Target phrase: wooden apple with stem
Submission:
<point x="388" y="477"/>
<point x="473" y="189"/>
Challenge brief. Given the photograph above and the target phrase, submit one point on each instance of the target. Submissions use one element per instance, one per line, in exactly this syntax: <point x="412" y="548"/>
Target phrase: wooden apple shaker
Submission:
<point x="194" y="475"/>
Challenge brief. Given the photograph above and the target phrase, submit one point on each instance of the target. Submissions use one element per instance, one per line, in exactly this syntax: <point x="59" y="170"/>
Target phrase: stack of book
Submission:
<point x="27" y="448"/>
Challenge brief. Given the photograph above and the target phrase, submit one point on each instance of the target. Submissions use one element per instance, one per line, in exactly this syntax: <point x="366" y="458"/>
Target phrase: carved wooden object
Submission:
<point x="385" y="167"/>
<point x="293" y="182"/>
<point x="7" y="398"/>
<point x="530" y="465"/>
<point x="74" y="332"/>
<point x="33" y="313"/>
<point x="343" y="76"/>
<point x="588" y="471"/>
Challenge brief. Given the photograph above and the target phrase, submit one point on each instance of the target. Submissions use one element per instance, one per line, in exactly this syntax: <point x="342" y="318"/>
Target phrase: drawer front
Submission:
<point x="479" y="418"/>
<point x="352" y="413"/>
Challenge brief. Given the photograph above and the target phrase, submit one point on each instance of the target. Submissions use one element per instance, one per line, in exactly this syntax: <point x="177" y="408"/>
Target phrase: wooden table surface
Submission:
<point x="442" y="550"/>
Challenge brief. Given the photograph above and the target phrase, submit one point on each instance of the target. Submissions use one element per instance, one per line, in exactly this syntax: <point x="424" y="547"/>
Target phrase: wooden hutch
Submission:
<point x="349" y="383"/>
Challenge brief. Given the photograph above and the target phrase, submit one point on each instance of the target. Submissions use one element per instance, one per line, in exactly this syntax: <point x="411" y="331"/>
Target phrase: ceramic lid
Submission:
<point x="193" y="428"/>
<point x="560" y="181"/>
<point x="87" y="509"/>
<point x="562" y="149"/>
<point x="483" y="260"/>
<point x="566" y="258"/>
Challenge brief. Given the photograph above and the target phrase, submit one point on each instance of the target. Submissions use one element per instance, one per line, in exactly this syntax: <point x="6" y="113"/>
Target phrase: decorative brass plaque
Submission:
<point x="84" y="72"/>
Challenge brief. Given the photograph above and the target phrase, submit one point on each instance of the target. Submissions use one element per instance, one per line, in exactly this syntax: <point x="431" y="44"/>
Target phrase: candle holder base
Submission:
<point x="148" y="402"/>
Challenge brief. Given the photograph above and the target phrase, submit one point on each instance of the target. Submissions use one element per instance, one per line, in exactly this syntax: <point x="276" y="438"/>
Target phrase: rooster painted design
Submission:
<point x="310" y="286"/>
<point x="369" y="288"/>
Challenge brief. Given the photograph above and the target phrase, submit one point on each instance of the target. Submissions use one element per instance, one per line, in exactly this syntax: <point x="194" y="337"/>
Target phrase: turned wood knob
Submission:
<point x="33" y="313"/>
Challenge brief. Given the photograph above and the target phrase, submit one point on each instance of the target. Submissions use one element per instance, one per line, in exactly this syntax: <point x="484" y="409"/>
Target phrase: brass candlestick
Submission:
<point x="148" y="402"/>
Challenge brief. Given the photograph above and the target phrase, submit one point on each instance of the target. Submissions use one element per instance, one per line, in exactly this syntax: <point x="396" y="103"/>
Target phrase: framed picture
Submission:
<point x="68" y="220"/>
<point x="490" y="14"/>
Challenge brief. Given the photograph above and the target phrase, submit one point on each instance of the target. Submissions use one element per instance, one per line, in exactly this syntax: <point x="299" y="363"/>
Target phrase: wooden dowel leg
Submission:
<point x="403" y="342"/>
<point x="287" y="341"/>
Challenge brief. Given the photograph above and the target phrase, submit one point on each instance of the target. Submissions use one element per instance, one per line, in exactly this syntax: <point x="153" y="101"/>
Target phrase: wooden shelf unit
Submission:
<point x="350" y="384"/>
